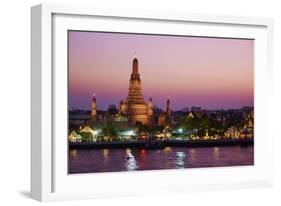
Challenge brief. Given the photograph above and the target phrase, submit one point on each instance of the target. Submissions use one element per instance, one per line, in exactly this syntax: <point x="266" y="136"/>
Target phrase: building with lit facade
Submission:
<point x="134" y="107"/>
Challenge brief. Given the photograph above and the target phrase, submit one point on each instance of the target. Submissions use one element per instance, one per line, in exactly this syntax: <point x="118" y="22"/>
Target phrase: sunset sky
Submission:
<point x="213" y="73"/>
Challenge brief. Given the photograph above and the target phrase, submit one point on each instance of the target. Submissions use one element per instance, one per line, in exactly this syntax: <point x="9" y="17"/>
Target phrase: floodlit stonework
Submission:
<point x="134" y="107"/>
<point x="94" y="108"/>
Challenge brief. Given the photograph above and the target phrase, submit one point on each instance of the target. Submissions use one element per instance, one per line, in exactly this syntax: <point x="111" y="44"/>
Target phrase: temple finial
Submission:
<point x="135" y="66"/>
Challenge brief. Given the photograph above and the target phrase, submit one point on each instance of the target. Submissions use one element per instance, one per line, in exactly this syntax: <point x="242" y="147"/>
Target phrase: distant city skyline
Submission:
<point x="212" y="73"/>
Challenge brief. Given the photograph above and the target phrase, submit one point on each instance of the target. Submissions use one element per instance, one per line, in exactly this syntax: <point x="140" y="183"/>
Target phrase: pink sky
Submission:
<point x="213" y="73"/>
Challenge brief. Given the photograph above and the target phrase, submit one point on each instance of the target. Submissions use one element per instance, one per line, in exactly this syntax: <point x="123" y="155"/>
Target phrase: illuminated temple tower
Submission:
<point x="168" y="112"/>
<point x="168" y="108"/>
<point x="94" y="108"/>
<point x="150" y="111"/>
<point x="135" y="107"/>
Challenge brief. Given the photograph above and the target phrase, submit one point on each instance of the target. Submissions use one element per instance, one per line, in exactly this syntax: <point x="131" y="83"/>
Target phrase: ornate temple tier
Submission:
<point x="135" y="107"/>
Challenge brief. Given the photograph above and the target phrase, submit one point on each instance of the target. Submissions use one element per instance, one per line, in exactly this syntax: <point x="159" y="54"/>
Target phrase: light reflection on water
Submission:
<point x="110" y="160"/>
<point x="216" y="153"/>
<point x="180" y="160"/>
<point x="192" y="154"/>
<point x="73" y="153"/>
<point x="105" y="153"/>
<point x="130" y="161"/>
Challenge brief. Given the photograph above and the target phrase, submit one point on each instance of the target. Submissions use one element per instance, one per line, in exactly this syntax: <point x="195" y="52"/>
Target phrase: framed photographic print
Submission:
<point x="137" y="102"/>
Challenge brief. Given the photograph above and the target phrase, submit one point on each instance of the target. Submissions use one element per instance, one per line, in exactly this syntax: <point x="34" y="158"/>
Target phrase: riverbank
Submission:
<point x="166" y="143"/>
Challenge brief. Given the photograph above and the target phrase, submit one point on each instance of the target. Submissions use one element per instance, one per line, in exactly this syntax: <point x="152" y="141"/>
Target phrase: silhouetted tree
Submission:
<point x="110" y="130"/>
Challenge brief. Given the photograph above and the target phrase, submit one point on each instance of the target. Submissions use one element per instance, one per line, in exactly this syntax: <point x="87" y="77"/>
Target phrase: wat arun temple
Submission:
<point x="134" y="109"/>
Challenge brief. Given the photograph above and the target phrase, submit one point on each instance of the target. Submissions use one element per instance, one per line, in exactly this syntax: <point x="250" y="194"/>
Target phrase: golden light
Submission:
<point x="105" y="153"/>
<point x="128" y="151"/>
<point x="216" y="152"/>
<point x="73" y="153"/>
<point x="167" y="150"/>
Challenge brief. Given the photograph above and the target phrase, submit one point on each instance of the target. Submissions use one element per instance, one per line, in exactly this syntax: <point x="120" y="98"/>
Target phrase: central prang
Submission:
<point x="135" y="107"/>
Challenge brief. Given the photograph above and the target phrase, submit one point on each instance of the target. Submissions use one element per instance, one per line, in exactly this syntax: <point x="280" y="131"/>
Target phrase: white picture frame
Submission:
<point x="49" y="179"/>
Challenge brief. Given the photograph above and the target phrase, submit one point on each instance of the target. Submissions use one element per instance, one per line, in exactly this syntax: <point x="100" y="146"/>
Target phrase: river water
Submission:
<point x="113" y="160"/>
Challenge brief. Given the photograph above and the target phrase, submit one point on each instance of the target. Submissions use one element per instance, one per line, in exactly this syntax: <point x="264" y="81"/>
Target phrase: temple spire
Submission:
<point x="168" y="107"/>
<point x="134" y="106"/>
<point x="94" y="108"/>
<point x="135" y="66"/>
<point x="150" y="111"/>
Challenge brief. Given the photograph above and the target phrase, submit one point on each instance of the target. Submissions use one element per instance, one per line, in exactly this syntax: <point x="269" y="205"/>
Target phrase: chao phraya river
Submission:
<point x="113" y="160"/>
